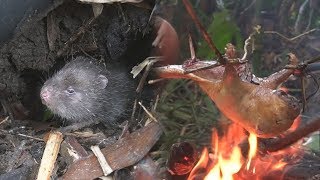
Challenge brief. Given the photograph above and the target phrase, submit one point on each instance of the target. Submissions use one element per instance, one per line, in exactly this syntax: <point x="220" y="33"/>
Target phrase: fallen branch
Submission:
<point x="125" y="152"/>
<point x="293" y="38"/>
<point x="49" y="155"/>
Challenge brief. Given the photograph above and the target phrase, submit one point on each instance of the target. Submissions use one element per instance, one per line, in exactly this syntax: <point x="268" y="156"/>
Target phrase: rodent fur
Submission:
<point x="86" y="91"/>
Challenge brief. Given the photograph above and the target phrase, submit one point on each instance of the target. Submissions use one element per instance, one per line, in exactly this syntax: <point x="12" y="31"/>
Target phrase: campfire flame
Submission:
<point x="226" y="162"/>
<point x="253" y="142"/>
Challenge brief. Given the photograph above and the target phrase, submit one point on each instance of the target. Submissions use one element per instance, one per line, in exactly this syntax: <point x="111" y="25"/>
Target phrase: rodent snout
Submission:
<point x="45" y="94"/>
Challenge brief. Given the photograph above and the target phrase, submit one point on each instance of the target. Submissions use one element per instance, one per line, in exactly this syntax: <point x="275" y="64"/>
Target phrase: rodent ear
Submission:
<point x="103" y="81"/>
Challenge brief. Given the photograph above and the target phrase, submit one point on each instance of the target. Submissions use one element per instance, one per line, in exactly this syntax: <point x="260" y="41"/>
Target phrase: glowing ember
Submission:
<point x="226" y="161"/>
<point x="202" y="163"/>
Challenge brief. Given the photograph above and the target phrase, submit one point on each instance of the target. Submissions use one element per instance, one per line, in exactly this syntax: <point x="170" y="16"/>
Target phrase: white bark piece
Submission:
<point x="102" y="160"/>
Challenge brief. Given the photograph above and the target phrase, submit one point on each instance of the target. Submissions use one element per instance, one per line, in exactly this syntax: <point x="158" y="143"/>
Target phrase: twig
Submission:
<point x="310" y="19"/>
<point x="153" y="81"/>
<point x="304" y="64"/>
<point x="148" y="112"/>
<point x="247" y="8"/>
<point x="293" y="38"/>
<point x="145" y="74"/>
<point x="75" y="36"/>
<point x="203" y="31"/>
<point x="31" y="137"/>
<point x="184" y="129"/>
<point x="192" y="52"/>
<point x="299" y="17"/>
<point x="146" y="64"/>
<point x="313" y="60"/>
<point x="22" y="135"/>
<point x="4" y="120"/>
<point x="156" y="103"/>
<point x="84" y="52"/>
<point x="134" y="109"/>
<point x="245" y="48"/>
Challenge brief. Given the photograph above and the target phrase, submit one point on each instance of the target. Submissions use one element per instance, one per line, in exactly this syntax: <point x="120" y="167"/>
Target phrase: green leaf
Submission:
<point x="222" y="30"/>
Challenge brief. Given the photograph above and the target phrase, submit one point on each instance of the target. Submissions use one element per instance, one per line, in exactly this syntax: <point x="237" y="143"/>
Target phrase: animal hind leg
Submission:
<point x="275" y="79"/>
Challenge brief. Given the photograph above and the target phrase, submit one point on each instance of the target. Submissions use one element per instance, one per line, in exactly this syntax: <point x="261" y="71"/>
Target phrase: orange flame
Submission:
<point x="253" y="142"/>
<point x="202" y="163"/>
<point x="279" y="165"/>
<point x="227" y="163"/>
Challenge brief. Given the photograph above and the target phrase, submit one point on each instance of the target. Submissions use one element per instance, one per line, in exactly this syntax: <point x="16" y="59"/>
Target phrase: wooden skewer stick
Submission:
<point x="203" y="31"/>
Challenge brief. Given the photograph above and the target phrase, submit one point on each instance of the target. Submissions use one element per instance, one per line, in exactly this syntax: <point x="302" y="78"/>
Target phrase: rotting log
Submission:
<point x="125" y="152"/>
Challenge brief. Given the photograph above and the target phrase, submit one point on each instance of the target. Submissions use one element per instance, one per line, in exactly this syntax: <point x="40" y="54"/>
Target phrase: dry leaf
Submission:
<point x="137" y="69"/>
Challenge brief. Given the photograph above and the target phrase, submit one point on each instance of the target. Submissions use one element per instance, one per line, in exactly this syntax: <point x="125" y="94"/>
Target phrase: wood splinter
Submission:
<point x="102" y="160"/>
<point x="49" y="155"/>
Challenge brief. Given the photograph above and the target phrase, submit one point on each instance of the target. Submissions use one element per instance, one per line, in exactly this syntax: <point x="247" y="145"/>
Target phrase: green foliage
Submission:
<point x="222" y="30"/>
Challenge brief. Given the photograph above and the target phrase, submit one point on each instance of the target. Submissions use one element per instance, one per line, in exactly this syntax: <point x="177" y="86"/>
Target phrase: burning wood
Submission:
<point x="228" y="158"/>
<point x="225" y="159"/>
<point x="182" y="158"/>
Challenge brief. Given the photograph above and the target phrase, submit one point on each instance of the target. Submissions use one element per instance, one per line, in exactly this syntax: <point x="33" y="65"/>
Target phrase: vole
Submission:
<point x="84" y="92"/>
<point x="259" y="108"/>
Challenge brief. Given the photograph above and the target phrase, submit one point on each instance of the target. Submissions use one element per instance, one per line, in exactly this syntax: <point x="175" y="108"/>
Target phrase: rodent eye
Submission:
<point x="70" y="91"/>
